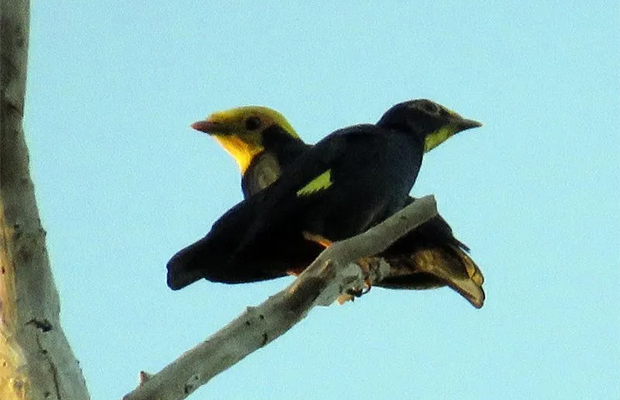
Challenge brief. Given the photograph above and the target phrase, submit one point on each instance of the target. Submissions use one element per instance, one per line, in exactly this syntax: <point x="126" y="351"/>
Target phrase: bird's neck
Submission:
<point x="279" y="149"/>
<point x="283" y="145"/>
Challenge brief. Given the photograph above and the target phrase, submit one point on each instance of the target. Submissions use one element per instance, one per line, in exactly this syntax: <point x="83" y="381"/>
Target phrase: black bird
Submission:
<point x="348" y="182"/>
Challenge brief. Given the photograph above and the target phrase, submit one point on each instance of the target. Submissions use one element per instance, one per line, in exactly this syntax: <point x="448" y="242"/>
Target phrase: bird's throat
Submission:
<point x="243" y="151"/>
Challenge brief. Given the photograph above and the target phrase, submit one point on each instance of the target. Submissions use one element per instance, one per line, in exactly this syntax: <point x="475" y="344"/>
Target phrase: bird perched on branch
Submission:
<point x="345" y="184"/>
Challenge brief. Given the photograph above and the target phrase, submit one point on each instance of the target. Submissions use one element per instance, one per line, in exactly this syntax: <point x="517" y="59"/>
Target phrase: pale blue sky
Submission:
<point x="123" y="182"/>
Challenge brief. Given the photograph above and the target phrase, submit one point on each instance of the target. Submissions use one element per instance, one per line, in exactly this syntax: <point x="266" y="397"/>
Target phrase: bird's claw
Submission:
<point x="365" y="267"/>
<point x="352" y="293"/>
<point x="359" y="292"/>
<point x="365" y="264"/>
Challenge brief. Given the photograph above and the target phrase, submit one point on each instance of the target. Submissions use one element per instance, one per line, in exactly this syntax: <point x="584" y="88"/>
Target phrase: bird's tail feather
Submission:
<point x="186" y="266"/>
<point x="432" y="267"/>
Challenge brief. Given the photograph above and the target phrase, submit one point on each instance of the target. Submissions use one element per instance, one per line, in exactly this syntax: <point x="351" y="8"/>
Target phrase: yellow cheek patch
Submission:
<point x="319" y="183"/>
<point x="242" y="150"/>
<point x="438" y="137"/>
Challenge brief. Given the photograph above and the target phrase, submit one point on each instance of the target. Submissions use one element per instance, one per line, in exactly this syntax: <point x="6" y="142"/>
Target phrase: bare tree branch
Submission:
<point x="331" y="275"/>
<point x="36" y="361"/>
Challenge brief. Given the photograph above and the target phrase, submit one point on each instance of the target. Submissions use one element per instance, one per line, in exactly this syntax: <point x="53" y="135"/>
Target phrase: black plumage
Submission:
<point x="371" y="169"/>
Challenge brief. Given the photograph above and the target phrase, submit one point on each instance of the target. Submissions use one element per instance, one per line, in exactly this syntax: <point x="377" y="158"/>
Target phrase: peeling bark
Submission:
<point x="36" y="361"/>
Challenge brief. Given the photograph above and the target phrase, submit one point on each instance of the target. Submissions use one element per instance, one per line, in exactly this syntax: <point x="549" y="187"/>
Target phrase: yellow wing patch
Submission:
<point x="319" y="183"/>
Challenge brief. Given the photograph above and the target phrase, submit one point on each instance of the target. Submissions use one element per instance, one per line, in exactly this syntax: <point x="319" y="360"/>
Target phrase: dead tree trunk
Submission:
<point x="36" y="361"/>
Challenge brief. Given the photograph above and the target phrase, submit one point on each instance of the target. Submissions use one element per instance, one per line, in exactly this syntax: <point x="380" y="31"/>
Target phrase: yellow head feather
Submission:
<point x="442" y="134"/>
<point x="242" y="143"/>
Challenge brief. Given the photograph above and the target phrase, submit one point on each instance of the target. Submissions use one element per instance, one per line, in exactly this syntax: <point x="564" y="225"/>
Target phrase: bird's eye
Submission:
<point x="252" y="123"/>
<point x="430" y="108"/>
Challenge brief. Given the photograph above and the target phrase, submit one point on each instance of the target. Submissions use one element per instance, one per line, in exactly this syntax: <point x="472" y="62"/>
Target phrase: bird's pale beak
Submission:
<point x="462" y="124"/>
<point x="455" y="124"/>
<point x="210" y="127"/>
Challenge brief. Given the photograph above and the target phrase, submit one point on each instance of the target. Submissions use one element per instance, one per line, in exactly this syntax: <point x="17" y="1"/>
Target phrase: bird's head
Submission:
<point x="432" y="122"/>
<point x="240" y="130"/>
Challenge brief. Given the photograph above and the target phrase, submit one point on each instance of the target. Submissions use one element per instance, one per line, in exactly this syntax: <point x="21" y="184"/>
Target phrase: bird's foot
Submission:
<point x="323" y="241"/>
<point x="365" y="263"/>
<point x="352" y="293"/>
